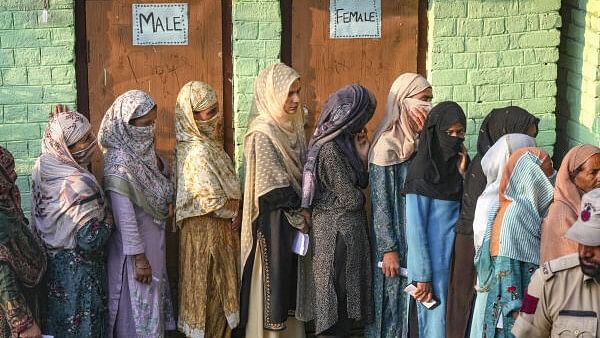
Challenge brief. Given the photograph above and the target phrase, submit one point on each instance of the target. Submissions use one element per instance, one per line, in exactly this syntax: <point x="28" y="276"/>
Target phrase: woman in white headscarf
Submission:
<point x="70" y="214"/>
<point x="140" y="190"/>
<point x="395" y="141"/>
<point x="208" y="195"/>
<point x="274" y="150"/>
<point x="492" y="163"/>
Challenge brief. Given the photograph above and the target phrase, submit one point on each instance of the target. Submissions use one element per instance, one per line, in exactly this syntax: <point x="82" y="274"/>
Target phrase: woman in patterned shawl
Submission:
<point x="140" y="190"/>
<point x="208" y="196"/>
<point x="274" y="151"/>
<point x="71" y="216"/>
<point x="338" y="290"/>
<point x="22" y="260"/>
<point x="511" y="247"/>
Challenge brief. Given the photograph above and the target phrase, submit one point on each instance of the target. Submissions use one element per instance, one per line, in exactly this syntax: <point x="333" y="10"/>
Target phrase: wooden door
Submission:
<point x="115" y="65"/>
<point x="326" y="65"/>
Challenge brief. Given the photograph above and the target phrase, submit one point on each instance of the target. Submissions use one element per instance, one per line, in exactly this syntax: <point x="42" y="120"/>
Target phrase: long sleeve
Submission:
<point x="93" y="236"/>
<point x="126" y="222"/>
<point x="385" y="192"/>
<point x="12" y="302"/>
<point x="419" y="261"/>
<point x="537" y="324"/>
<point x="335" y="176"/>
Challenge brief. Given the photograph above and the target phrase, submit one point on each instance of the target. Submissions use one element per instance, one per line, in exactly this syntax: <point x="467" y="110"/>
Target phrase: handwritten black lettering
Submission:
<point x="147" y="19"/>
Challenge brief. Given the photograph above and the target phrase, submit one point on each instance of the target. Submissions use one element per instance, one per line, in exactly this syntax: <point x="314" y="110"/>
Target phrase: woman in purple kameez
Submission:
<point x="137" y="182"/>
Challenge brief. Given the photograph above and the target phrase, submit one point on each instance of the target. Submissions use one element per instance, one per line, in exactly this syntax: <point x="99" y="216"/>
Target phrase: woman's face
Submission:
<point x="456" y="130"/>
<point x="206" y="114"/>
<point x="532" y="130"/>
<point x="83" y="143"/>
<point x="293" y="99"/>
<point x="426" y="95"/>
<point x="146" y="120"/>
<point x="588" y="177"/>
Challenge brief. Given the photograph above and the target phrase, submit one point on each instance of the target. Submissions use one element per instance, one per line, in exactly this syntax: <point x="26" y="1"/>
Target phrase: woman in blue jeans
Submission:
<point x="433" y="189"/>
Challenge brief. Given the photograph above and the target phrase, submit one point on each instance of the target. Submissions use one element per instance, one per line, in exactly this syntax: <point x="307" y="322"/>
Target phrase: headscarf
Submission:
<point x="131" y="165"/>
<point x="345" y="113"/>
<point x="206" y="178"/>
<point x="493" y="163"/>
<point x="499" y="122"/>
<point x="434" y="170"/>
<point x="65" y="196"/>
<point x="564" y="209"/>
<point x="286" y="133"/>
<point x="19" y="247"/>
<point x="394" y="140"/>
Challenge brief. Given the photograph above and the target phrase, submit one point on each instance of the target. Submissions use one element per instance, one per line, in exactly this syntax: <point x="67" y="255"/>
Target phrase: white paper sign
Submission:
<point x="350" y="19"/>
<point x="160" y="24"/>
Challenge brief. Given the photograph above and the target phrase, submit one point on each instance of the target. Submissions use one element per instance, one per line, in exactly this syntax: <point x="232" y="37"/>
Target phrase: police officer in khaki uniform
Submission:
<point x="563" y="298"/>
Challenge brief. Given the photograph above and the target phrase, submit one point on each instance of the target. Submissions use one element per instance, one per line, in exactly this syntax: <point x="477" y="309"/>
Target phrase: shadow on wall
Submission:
<point x="578" y="76"/>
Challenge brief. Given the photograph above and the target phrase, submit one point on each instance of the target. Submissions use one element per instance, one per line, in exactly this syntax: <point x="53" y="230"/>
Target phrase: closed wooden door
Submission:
<point x="115" y="65"/>
<point x="326" y="64"/>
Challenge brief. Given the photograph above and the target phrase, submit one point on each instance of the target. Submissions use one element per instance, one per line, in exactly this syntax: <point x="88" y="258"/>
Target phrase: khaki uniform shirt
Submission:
<point x="568" y="302"/>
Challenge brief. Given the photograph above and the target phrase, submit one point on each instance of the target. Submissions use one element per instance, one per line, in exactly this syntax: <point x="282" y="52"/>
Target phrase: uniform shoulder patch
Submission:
<point x="559" y="264"/>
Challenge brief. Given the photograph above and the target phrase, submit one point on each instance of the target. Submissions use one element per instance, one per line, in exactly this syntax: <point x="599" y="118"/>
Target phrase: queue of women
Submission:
<point x="465" y="234"/>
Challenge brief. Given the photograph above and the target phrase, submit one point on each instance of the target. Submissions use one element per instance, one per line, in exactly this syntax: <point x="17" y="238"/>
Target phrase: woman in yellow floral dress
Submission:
<point x="208" y="196"/>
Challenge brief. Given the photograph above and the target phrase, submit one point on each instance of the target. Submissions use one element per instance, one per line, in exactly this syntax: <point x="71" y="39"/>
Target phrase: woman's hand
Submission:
<point x="31" y="332"/>
<point x="424" y="292"/>
<point x="60" y="108"/>
<point x="463" y="160"/>
<point x="391" y="264"/>
<point x="362" y="145"/>
<point x="143" y="270"/>
<point x="417" y="118"/>
<point x="307" y="214"/>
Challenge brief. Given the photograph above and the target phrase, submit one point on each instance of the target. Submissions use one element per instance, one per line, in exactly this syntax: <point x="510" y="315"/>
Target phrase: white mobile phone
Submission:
<point x="411" y="288"/>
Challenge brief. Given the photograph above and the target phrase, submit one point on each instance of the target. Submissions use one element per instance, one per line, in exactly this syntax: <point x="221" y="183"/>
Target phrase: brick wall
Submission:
<point x="488" y="53"/>
<point x="37" y="71"/>
<point x="256" y="44"/>
<point x="578" y="114"/>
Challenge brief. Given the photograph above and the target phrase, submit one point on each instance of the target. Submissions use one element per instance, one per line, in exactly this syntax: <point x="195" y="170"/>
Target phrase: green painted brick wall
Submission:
<point x="485" y="54"/>
<point x="578" y="113"/>
<point x="36" y="72"/>
<point x="256" y="44"/>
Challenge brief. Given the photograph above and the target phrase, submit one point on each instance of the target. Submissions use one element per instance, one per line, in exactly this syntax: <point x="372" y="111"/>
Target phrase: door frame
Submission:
<point x="81" y="68"/>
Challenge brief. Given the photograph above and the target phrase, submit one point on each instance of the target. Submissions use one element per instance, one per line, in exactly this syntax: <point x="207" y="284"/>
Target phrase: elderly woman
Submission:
<point x="579" y="173"/>
<point x="394" y="144"/>
<point x="433" y="189"/>
<point x="334" y="174"/>
<point x="511" y="247"/>
<point x="22" y="260"/>
<point x="274" y="151"/>
<point x="208" y="195"/>
<point x="70" y="214"/>
<point x="140" y="190"/>
<point x="497" y="123"/>
<point x="492" y="163"/>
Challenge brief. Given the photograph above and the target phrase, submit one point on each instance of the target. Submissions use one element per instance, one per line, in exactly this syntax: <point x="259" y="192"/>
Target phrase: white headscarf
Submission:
<point x="394" y="140"/>
<point x="65" y="195"/>
<point x="130" y="162"/>
<point x="493" y="163"/>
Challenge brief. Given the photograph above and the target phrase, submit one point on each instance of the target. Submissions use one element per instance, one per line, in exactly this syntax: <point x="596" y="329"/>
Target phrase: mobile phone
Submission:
<point x="411" y="288"/>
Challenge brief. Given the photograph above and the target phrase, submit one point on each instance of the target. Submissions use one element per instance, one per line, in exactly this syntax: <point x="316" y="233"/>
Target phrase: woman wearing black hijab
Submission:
<point x="461" y="297"/>
<point x="433" y="191"/>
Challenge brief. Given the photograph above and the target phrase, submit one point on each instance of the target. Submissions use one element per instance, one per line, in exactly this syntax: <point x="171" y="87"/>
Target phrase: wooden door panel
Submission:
<point x="328" y="64"/>
<point x="116" y="65"/>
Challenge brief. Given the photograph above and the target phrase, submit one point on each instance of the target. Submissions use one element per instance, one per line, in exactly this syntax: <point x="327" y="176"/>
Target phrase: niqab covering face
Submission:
<point x="395" y="140"/>
<point x="345" y="113"/>
<point x="434" y="169"/>
<point x="206" y="178"/>
<point x="65" y="196"/>
<point x="131" y="166"/>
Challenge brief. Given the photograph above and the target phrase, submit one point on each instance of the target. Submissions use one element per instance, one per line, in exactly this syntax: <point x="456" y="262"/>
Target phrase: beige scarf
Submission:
<point x="206" y="178"/>
<point x="395" y="141"/>
<point x="286" y="135"/>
